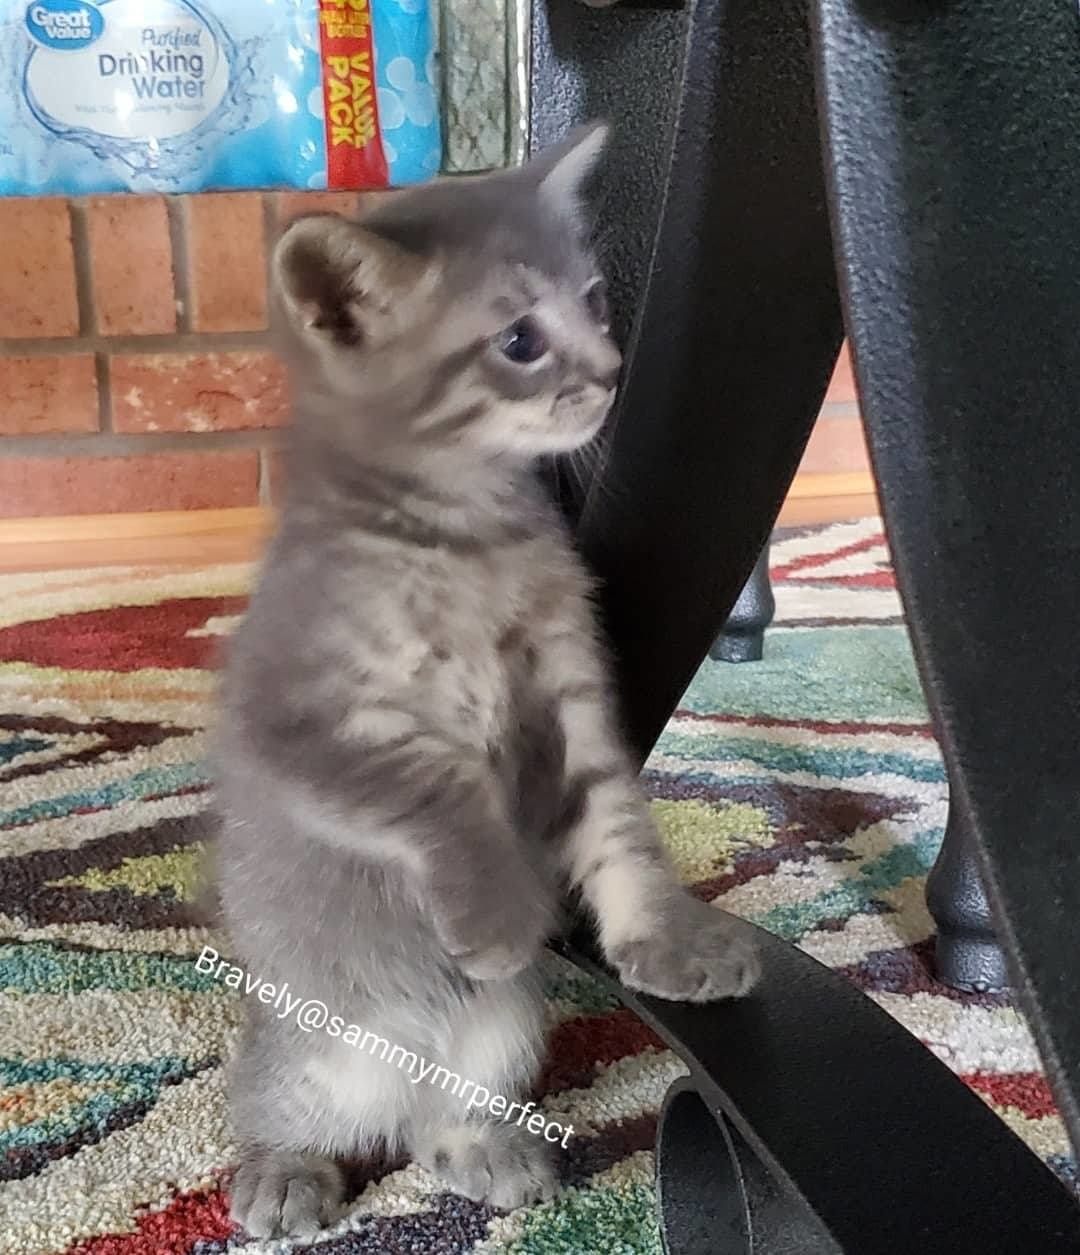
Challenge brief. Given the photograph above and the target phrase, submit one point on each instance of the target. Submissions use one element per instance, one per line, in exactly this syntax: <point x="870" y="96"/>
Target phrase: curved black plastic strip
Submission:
<point x="861" y="1129"/>
<point x="693" y="1221"/>
<point x="953" y="134"/>
<point x="714" y="1196"/>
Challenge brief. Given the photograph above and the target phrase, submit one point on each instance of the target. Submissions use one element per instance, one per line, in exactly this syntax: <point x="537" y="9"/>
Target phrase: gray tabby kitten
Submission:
<point x="418" y="754"/>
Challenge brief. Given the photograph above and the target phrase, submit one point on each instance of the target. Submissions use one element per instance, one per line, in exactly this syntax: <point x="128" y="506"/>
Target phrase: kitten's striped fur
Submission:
<point x="417" y="754"/>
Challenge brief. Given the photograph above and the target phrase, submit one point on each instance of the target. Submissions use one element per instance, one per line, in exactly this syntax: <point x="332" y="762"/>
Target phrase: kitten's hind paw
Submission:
<point x="497" y="961"/>
<point x="285" y="1194"/>
<point x="498" y="1164"/>
<point x="496" y="939"/>
<point x="695" y="954"/>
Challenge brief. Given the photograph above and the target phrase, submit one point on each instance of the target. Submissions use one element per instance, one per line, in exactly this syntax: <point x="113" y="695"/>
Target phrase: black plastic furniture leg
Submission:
<point x="724" y="250"/>
<point x="714" y="198"/>
<point x="742" y="638"/>
<point x="969" y="955"/>
<point x="953" y="138"/>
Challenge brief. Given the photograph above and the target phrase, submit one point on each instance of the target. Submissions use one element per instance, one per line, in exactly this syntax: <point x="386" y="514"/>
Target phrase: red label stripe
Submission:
<point x="354" y="151"/>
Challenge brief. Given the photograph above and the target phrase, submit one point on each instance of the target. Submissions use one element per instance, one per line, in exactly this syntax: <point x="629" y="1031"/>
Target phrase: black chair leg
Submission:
<point x="718" y="395"/>
<point x="743" y="636"/>
<point x="841" y="1132"/>
<point x="969" y="955"/>
<point x="953" y="145"/>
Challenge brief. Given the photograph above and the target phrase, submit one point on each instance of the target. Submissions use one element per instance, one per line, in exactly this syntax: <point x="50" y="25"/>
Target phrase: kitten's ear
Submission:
<point x="564" y="168"/>
<point x="339" y="281"/>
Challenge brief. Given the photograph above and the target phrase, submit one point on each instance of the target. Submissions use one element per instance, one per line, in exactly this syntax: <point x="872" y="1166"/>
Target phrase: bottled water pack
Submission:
<point x="185" y="95"/>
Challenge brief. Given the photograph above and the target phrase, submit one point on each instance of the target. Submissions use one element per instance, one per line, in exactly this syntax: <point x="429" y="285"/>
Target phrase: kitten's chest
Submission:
<point x="480" y="635"/>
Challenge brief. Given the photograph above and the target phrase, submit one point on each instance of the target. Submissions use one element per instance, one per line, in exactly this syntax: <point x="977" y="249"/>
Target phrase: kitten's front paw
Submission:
<point x="694" y="955"/>
<point x="285" y="1194"/>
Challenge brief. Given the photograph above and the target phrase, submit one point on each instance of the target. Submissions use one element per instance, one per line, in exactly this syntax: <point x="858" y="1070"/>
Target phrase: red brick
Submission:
<point x="131" y="265"/>
<point x="842" y="385"/>
<point x="291" y="204"/>
<point x="31" y="487"/>
<point x="837" y="443"/>
<point x="44" y="395"/>
<point x="227" y="259"/>
<point x="197" y="391"/>
<point x="37" y="268"/>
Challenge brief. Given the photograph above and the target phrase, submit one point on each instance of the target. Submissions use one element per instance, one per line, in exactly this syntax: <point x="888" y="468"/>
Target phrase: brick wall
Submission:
<point x="837" y="443"/>
<point x="134" y="368"/>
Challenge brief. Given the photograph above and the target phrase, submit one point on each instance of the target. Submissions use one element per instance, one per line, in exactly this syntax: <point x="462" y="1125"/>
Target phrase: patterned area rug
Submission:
<point x="804" y="792"/>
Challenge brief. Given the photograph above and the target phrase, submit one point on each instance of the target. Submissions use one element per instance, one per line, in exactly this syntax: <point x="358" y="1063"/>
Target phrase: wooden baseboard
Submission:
<point x="190" y="537"/>
<point x="182" y="537"/>
<point x="828" y="497"/>
<point x="810" y="510"/>
<point x="832" y="484"/>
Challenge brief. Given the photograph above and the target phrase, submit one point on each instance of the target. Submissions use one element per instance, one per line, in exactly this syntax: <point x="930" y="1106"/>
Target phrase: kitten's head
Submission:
<point x="464" y="313"/>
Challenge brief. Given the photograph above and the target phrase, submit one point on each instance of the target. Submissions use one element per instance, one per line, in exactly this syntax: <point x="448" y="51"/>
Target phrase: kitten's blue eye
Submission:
<point x="524" y="342"/>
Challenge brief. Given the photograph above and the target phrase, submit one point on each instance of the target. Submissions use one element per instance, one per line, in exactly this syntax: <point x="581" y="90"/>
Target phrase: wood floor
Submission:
<point x="205" y="537"/>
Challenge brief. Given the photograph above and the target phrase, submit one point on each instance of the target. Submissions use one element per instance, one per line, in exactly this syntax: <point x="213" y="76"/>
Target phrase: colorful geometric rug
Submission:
<point x="804" y="792"/>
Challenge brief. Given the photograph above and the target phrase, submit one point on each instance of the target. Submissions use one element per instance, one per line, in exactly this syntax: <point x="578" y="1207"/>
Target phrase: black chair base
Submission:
<point x="812" y="1123"/>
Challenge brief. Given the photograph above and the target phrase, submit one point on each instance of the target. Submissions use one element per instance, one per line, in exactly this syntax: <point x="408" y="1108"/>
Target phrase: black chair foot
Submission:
<point x="971" y="964"/>
<point x="738" y="646"/>
<point x="969" y="956"/>
<point x="743" y="635"/>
